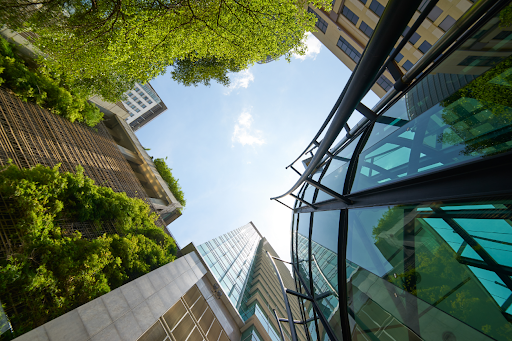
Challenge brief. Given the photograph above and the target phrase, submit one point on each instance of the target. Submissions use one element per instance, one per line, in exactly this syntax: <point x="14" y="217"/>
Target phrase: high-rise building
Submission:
<point x="110" y="153"/>
<point x="347" y="27"/>
<point x="239" y="262"/>
<point x="406" y="219"/>
<point x="143" y="104"/>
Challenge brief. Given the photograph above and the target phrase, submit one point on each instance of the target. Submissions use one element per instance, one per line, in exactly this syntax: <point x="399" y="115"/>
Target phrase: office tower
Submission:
<point x="143" y="104"/>
<point x="406" y="219"/>
<point x="174" y="302"/>
<point x="239" y="262"/>
<point x="346" y="28"/>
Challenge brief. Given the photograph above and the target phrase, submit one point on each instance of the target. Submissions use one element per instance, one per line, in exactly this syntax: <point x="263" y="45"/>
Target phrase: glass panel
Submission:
<point x="334" y="177"/>
<point x="324" y="265"/>
<point x="459" y="112"/>
<point x="411" y="267"/>
<point x="303" y="245"/>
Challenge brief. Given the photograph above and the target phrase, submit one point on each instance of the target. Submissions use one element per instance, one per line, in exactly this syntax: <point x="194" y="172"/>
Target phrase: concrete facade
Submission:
<point x="127" y="312"/>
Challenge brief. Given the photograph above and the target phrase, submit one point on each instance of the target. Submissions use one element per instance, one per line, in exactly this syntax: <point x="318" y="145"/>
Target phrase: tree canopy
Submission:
<point x="47" y="268"/>
<point x="105" y="44"/>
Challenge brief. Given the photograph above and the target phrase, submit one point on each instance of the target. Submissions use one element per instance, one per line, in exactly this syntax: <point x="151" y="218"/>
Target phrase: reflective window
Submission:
<point x="435" y="13"/>
<point x="425" y="46"/>
<point x="351" y="16"/>
<point x="334" y="177"/>
<point x="407" y="65"/>
<point x="475" y="121"/>
<point x="367" y="30"/>
<point x="377" y="8"/>
<point x="432" y="269"/>
<point x="447" y="23"/>
<point x="414" y="38"/>
<point x="345" y="46"/>
<point x="384" y="83"/>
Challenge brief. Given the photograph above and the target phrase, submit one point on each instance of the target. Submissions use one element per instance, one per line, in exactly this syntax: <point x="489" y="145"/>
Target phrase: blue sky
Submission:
<point x="229" y="146"/>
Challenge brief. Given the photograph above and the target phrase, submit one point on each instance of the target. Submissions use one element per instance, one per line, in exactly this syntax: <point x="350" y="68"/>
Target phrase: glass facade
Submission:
<point x="437" y="267"/>
<point x="230" y="257"/>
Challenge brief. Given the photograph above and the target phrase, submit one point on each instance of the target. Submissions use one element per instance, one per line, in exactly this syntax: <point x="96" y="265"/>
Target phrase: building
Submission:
<point x="406" y="220"/>
<point x="110" y="153"/>
<point x="174" y="302"/>
<point x="346" y="29"/>
<point x="239" y="262"/>
<point x="142" y="104"/>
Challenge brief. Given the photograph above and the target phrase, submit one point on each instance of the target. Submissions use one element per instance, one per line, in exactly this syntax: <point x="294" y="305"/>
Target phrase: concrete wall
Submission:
<point x="125" y="313"/>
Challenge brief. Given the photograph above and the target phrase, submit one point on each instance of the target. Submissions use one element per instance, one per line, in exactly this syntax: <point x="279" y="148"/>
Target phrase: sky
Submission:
<point x="229" y="146"/>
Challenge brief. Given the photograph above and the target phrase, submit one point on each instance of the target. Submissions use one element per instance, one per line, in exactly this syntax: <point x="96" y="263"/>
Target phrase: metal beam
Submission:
<point x="489" y="177"/>
<point x="392" y="23"/>
<point x="302" y="201"/>
<point x="363" y="109"/>
<point x="293" y="332"/>
<point x="328" y="191"/>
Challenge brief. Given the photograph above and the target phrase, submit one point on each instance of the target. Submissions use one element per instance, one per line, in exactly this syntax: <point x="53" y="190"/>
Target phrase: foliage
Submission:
<point x="166" y="174"/>
<point x="44" y="88"/>
<point x="51" y="269"/>
<point x="506" y="16"/>
<point x="491" y="95"/>
<point x="201" y="71"/>
<point x="135" y="40"/>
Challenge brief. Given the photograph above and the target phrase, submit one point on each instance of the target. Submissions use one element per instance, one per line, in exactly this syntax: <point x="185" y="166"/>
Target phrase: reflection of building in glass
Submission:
<point x="404" y="231"/>
<point x="239" y="262"/>
<point x="347" y="28"/>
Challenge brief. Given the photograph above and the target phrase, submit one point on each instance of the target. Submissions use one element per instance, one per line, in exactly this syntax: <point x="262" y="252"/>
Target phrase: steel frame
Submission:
<point x="489" y="177"/>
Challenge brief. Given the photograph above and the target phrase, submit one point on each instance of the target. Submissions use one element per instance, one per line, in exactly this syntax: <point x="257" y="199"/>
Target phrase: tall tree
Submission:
<point x="135" y="40"/>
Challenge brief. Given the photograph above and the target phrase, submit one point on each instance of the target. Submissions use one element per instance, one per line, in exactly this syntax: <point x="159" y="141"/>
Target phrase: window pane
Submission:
<point x="474" y="121"/>
<point x="447" y="23"/>
<point x="350" y="15"/>
<point x="409" y="268"/>
<point x="407" y="65"/>
<point x="435" y="13"/>
<point x="425" y="46"/>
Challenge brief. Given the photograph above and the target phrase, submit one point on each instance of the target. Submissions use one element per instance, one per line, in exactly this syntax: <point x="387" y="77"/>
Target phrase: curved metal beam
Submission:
<point x="389" y="29"/>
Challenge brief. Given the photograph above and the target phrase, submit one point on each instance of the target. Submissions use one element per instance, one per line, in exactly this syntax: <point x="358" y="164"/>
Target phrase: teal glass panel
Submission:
<point x="303" y="245"/>
<point x="334" y="177"/>
<point x="411" y="270"/>
<point x="324" y="266"/>
<point x="445" y="119"/>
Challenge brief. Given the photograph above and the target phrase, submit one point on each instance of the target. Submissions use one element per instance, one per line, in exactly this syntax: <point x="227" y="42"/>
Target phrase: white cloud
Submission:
<point x="240" y="80"/>
<point x="313" y="47"/>
<point x="243" y="133"/>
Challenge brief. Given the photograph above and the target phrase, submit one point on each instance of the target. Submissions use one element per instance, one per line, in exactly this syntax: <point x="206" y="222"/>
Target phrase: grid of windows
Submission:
<point x="366" y="29"/>
<point x="425" y="46"/>
<point x="350" y="15"/>
<point x="348" y="49"/>
<point x="320" y="23"/>
<point x="376" y="8"/>
<point x="230" y="257"/>
<point x="384" y="83"/>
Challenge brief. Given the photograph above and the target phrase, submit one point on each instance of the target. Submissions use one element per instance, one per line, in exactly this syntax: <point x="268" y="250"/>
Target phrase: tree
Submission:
<point x="45" y="88"/>
<point x="130" y="41"/>
<point x="201" y="71"/>
<point x="47" y="268"/>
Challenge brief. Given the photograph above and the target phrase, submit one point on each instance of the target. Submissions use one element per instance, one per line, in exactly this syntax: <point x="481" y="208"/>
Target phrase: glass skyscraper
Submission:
<point x="230" y="257"/>
<point x="239" y="262"/>
<point x="402" y="229"/>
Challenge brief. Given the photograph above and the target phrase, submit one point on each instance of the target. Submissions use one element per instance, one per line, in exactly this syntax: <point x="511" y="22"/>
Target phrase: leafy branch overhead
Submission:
<point x="136" y="40"/>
